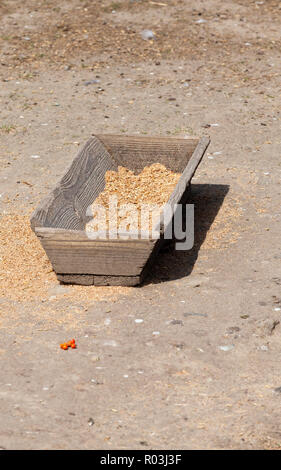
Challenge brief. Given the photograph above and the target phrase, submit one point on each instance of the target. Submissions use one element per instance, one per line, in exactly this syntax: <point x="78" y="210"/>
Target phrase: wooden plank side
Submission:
<point x="129" y="281"/>
<point x="83" y="235"/>
<point x="189" y="171"/>
<point x="66" y="206"/>
<point x="80" y="279"/>
<point x="89" y="280"/>
<point x="107" y="257"/>
<point x="179" y="195"/>
<point x="136" y="152"/>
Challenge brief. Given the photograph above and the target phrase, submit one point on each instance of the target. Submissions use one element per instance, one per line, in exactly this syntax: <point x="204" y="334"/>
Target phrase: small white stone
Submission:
<point x="226" y="348"/>
<point x="138" y="320"/>
<point x="147" y="34"/>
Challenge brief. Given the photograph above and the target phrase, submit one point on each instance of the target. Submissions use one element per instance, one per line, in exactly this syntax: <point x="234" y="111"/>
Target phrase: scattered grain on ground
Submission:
<point x="25" y="271"/>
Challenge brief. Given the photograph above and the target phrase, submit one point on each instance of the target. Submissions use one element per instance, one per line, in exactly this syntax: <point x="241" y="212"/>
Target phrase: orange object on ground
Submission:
<point x="70" y="344"/>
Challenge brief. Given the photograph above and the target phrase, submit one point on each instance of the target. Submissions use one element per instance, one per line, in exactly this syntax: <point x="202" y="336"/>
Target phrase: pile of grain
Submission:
<point x="153" y="185"/>
<point x="23" y="263"/>
<point x="27" y="274"/>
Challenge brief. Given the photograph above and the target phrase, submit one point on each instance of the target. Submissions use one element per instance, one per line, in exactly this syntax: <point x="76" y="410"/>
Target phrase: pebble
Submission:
<point x="138" y="320"/>
<point x="264" y="348"/>
<point x="227" y="348"/>
<point x="155" y="333"/>
<point x="147" y="34"/>
<point x="91" y="422"/>
<point x="91" y="82"/>
<point x="35" y="156"/>
<point x="201" y="21"/>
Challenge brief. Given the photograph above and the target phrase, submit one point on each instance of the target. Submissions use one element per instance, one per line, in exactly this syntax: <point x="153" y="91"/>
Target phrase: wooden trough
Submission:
<point x="59" y="221"/>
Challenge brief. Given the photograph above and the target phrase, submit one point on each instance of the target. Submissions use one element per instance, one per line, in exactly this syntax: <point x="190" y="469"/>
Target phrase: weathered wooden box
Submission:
<point x="60" y="219"/>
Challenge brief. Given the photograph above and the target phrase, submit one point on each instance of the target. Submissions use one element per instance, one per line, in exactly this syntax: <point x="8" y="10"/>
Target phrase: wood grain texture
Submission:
<point x="74" y="253"/>
<point x="89" y="280"/>
<point x="136" y="152"/>
<point x="66" y="206"/>
<point x="80" y="279"/>
<point x="129" y="281"/>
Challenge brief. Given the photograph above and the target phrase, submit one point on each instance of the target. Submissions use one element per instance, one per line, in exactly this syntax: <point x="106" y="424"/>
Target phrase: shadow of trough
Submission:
<point x="171" y="264"/>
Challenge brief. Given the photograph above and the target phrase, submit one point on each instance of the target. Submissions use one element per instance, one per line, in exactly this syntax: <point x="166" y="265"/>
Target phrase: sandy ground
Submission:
<point x="202" y="370"/>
